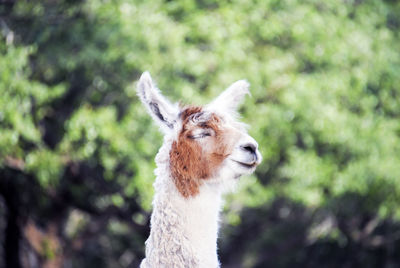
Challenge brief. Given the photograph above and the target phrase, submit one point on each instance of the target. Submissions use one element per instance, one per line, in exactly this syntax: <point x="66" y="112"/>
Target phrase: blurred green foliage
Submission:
<point x="325" y="110"/>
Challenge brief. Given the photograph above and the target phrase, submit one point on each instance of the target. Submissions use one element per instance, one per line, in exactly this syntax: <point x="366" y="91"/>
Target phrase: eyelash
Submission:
<point x="201" y="135"/>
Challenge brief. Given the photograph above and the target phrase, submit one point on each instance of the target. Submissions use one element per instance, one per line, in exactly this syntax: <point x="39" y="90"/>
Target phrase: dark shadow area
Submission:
<point x="344" y="233"/>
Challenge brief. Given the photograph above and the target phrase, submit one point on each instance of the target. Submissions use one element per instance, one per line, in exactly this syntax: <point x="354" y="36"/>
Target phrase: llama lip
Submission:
<point x="246" y="165"/>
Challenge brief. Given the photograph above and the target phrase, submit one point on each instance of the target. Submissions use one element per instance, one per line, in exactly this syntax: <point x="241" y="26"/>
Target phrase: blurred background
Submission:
<point x="77" y="148"/>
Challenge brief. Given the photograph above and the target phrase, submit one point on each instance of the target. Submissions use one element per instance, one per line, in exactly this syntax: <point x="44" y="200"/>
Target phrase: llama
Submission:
<point x="205" y="151"/>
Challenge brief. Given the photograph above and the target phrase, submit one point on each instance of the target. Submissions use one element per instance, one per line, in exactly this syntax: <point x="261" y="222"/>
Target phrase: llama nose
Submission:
<point x="249" y="147"/>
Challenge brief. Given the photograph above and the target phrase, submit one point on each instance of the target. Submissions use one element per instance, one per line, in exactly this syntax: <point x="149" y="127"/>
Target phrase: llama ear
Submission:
<point x="162" y="111"/>
<point x="232" y="97"/>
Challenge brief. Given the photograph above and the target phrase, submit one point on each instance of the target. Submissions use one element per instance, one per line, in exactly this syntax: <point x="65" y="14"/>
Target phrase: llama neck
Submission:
<point x="201" y="219"/>
<point x="183" y="230"/>
<point x="191" y="222"/>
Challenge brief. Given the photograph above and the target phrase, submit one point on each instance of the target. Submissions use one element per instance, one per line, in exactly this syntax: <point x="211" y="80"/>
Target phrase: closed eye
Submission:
<point x="200" y="135"/>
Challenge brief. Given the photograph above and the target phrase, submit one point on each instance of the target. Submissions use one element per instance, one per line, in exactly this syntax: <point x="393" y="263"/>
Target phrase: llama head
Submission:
<point x="209" y="145"/>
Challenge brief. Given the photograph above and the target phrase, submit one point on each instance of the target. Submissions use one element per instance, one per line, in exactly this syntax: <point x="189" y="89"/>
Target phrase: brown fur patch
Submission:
<point x="192" y="161"/>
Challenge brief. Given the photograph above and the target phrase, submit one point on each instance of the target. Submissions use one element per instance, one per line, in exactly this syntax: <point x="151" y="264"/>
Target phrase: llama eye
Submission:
<point x="200" y="135"/>
<point x="205" y="134"/>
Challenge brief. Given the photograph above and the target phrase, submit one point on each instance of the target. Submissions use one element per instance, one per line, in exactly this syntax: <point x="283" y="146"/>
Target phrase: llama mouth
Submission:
<point x="246" y="165"/>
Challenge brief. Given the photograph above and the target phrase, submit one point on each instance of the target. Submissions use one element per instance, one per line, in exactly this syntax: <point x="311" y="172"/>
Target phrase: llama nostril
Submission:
<point x="249" y="147"/>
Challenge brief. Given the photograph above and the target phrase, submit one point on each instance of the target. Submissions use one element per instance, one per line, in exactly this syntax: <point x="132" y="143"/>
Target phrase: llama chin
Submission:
<point x="206" y="149"/>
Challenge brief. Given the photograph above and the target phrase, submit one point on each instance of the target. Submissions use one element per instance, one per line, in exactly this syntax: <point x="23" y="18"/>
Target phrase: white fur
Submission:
<point x="184" y="231"/>
<point x="148" y="94"/>
<point x="229" y="100"/>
